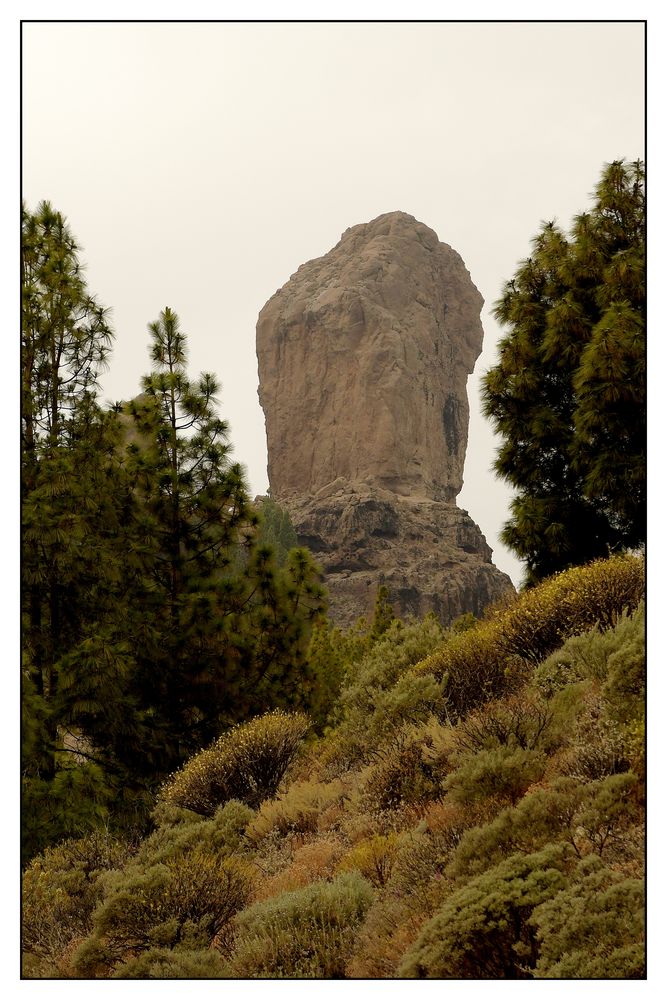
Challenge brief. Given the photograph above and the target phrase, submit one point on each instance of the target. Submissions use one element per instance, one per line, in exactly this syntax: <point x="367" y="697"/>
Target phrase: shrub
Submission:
<point x="471" y="668"/>
<point x="483" y="930"/>
<point x="390" y="928"/>
<point x="519" y="720"/>
<point x="181" y="963"/>
<point x="594" y="928"/>
<point x="590" y="817"/>
<point x="296" y="811"/>
<point x="399" y="648"/>
<point x="503" y="773"/>
<point x="180" y="831"/>
<point x="306" y="934"/>
<point x="187" y="900"/>
<point x="409" y="768"/>
<point x="246" y="763"/>
<point x="591" y="654"/>
<point x="374" y="858"/>
<point x="596" y="745"/>
<point x="490" y="658"/>
<point x="310" y="862"/>
<point x="540" y="620"/>
<point x="624" y="691"/>
<point x="61" y="889"/>
<point x="381" y="695"/>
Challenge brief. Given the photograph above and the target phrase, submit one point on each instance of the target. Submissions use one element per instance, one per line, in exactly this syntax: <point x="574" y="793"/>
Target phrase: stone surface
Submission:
<point x="364" y="356"/>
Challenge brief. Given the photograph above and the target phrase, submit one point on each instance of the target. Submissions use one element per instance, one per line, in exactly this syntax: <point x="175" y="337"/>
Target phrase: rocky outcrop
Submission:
<point x="363" y="359"/>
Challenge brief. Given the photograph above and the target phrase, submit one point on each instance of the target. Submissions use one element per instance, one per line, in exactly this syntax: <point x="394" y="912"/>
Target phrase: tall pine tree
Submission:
<point x="70" y="559"/>
<point x="221" y="631"/>
<point x="568" y="392"/>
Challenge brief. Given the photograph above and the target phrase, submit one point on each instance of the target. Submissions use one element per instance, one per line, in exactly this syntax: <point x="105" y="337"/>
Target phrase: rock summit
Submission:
<point x="364" y="356"/>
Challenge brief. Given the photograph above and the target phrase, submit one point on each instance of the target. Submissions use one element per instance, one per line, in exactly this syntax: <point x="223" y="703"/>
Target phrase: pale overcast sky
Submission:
<point x="199" y="164"/>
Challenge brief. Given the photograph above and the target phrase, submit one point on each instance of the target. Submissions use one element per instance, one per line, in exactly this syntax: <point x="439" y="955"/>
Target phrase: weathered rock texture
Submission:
<point x="363" y="358"/>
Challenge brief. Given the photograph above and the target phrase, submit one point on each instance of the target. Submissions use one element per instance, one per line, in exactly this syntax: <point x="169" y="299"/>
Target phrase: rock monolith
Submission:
<point x="364" y="356"/>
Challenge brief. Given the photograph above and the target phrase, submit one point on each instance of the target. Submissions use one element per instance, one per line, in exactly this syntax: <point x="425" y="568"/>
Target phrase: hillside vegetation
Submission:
<point x="473" y="809"/>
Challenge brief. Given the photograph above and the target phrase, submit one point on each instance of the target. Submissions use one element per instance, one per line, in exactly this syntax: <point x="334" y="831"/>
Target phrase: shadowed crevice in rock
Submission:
<point x="364" y="356"/>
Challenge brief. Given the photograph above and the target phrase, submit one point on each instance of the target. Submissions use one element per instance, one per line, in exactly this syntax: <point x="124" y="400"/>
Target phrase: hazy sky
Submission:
<point x="200" y="164"/>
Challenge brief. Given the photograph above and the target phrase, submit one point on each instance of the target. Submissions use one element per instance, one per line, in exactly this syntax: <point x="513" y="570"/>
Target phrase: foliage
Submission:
<point x="305" y="934"/>
<point x="247" y="763"/>
<point x="594" y="928"/>
<point x="571" y="602"/>
<point x="470" y="842"/>
<point x="73" y="503"/>
<point x="374" y="858"/>
<point x="153" y="615"/>
<point x="381" y="695"/>
<point x="590" y="816"/>
<point x="276" y="529"/>
<point x="60" y="891"/>
<point x="173" y="963"/>
<point x="184" y="901"/>
<point x="180" y="831"/>
<point x="296" y="811"/>
<point x="409" y="767"/>
<point x="483" y="930"/>
<point x="309" y="862"/>
<point x="568" y="392"/>
<point x="228" y="629"/>
<point x="491" y="658"/>
<point x="502" y="773"/>
<point x="517" y="720"/>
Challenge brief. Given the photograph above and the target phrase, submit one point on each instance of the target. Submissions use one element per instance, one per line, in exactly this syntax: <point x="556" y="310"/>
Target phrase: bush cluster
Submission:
<point x="306" y="934"/>
<point x="296" y="811"/>
<point x="490" y="832"/>
<point x="247" y="763"/>
<point x="491" y="658"/>
<point x="61" y="889"/>
<point x="184" y="902"/>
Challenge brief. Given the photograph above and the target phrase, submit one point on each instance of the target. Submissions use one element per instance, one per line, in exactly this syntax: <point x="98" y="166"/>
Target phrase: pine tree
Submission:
<point x="568" y="393"/>
<point x="69" y="515"/>
<point x="220" y="632"/>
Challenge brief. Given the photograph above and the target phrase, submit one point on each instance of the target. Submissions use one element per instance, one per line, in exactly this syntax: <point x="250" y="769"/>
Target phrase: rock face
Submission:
<point x="363" y="359"/>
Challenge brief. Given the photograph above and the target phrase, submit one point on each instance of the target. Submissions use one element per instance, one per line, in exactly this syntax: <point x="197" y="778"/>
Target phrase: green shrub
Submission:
<point x="471" y="668"/>
<point x="519" y="720"/>
<point x="624" y="691"/>
<point x="306" y="934"/>
<point x="590" y="656"/>
<point x="180" y="831"/>
<point x="399" y="648"/>
<point x="181" y="963"/>
<point x="382" y="695"/>
<point x="373" y="857"/>
<point x="483" y="930"/>
<point x="596" y="745"/>
<point x="594" y="928"/>
<point x="296" y="811"/>
<point x="590" y="816"/>
<point x="409" y="768"/>
<point x="246" y="763"/>
<point x="503" y="773"/>
<point x="185" y="901"/>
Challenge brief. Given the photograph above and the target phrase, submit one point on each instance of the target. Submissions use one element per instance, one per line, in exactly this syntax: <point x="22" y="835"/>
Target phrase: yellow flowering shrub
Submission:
<point x="374" y="858"/>
<point x="493" y="657"/>
<point x="247" y="763"/>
